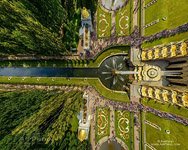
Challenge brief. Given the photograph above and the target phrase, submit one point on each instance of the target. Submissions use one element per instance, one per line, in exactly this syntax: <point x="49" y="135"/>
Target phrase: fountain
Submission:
<point x="115" y="73"/>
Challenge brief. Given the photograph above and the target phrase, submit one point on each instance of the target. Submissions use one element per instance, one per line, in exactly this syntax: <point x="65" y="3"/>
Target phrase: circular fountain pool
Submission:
<point x="114" y="72"/>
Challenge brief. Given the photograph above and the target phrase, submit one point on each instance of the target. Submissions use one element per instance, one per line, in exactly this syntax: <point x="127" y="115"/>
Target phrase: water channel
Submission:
<point x="113" y="72"/>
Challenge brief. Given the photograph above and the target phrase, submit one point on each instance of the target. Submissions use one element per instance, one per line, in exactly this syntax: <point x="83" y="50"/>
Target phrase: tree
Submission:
<point x="22" y="33"/>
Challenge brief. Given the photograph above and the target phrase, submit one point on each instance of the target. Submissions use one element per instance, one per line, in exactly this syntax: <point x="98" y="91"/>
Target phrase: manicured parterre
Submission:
<point x="102" y="128"/>
<point x="124" y="20"/>
<point x="103" y="22"/>
<point x="123" y="129"/>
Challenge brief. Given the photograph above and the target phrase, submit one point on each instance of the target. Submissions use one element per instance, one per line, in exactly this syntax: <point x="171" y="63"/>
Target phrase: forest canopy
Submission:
<point x="40" y="119"/>
<point x="40" y="27"/>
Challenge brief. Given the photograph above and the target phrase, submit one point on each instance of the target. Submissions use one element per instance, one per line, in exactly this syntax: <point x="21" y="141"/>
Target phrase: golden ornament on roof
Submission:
<point x="82" y="135"/>
<point x="85" y="13"/>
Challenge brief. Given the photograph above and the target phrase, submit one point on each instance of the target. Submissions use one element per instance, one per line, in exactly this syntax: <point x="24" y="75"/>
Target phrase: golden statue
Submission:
<point x="183" y="49"/>
<point x="185" y="99"/>
<point x="164" y="52"/>
<point x="85" y="13"/>
<point x="156" y="53"/>
<point x="143" y="91"/>
<point x="157" y="94"/>
<point x="150" y="92"/>
<point x="143" y="55"/>
<point x="150" y="54"/>
<point x="173" y="50"/>
<point x="165" y="95"/>
<point x="174" y="96"/>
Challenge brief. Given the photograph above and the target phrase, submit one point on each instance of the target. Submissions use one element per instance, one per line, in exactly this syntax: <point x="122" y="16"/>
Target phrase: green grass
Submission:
<point x="176" y="38"/>
<point x="107" y="93"/>
<point x="70" y="63"/>
<point x="177" y="139"/>
<point x="174" y="10"/>
<point x="117" y="131"/>
<point x="103" y="23"/>
<point x="165" y="107"/>
<point x="107" y="129"/>
<point x="43" y="63"/>
<point x="121" y="20"/>
<point x="109" y="52"/>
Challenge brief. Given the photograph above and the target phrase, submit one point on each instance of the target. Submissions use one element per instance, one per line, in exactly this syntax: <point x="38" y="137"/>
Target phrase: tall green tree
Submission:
<point x="22" y="33"/>
<point x="49" y="12"/>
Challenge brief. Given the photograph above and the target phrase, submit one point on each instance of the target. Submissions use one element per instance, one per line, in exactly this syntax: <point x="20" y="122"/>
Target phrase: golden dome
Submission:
<point x="85" y="13"/>
<point x="82" y="135"/>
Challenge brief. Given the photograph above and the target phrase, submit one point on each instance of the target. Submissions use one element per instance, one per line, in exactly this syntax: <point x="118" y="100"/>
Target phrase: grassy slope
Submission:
<point x="64" y="63"/>
<point x="73" y="81"/>
<point x="107" y="53"/>
<point x="176" y="38"/>
<point x="78" y="81"/>
<point x="174" y="10"/>
<point x="178" y="133"/>
<point x="166" y="108"/>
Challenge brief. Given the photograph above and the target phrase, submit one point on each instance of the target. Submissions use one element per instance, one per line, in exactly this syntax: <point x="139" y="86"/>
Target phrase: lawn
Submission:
<point x="123" y="123"/>
<point x="159" y="139"/>
<point x="165" y="107"/>
<point x="44" y="63"/>
<point x="95" y="82"/>
<point x="68" y="63"/>
<point x="102" y="128"/>
<point x="109" y="52"/>
<point x="103" y="23"/>
<point x="176" y="38"/>
<point x="174" y="11"/>
<point x="123" y="20"/>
